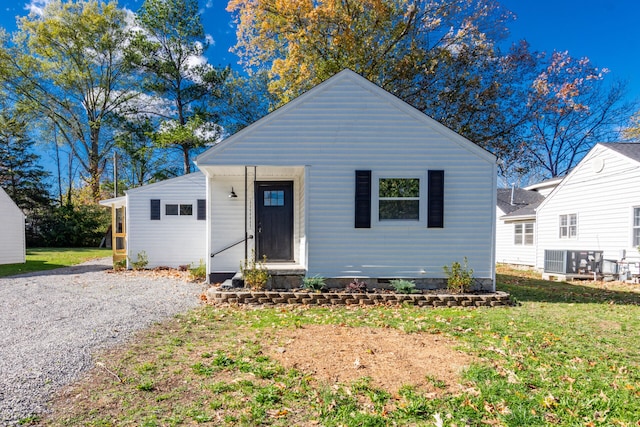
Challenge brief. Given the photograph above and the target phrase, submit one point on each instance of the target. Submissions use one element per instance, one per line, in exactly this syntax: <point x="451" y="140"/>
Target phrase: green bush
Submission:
<point x="459" y="277"/>
<point x="254" y="273"/>
<point x="78" y="226"/>
<point x="198" y="273"/>
<point x="403" y="286"/>
<point x="141" y="262"/>
<point x="315" y="283"/>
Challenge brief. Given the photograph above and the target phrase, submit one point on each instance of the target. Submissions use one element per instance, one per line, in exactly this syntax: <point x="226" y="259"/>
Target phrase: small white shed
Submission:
<point x="165" y="220"/>
<point x="348" y="181"/>
<point x="12" y="236"/>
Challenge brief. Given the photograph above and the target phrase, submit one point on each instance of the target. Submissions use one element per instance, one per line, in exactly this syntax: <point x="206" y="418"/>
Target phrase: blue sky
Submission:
<point x="606" y="31"/>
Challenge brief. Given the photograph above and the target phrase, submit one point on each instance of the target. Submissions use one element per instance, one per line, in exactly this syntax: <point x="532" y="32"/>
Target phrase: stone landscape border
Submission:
<point x="269" y="298"/>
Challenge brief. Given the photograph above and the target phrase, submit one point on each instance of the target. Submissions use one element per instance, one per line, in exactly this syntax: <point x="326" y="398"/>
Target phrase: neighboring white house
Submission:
<point x="516" y="226"/>
<point x="12" y="236"/>
<point x="165" y="220"/>
<point x="349" y="181"/>
<point x="516" y="222"/>
<point x="595" y="208"/>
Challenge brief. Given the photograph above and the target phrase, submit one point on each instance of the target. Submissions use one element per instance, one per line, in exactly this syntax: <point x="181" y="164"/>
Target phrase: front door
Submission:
<point x="274" y="220"/>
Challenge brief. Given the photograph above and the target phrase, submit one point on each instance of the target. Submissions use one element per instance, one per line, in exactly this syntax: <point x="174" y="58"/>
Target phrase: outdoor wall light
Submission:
<point x="233" y="194"/>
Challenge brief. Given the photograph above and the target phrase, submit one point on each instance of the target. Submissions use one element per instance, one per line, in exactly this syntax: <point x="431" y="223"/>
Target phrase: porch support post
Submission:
<point x="246" y="233"/>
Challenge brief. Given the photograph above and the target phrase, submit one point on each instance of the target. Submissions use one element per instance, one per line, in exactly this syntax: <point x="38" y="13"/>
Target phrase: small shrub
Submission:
<point x="141" y="261"/>
<point x="254" y="273"/>
<point x="315" y="283"/>
<point x="403" y="286"/>
<point x="459" y="277"/>
<point x="120" y="265"/>
<point x="356" y="286"/>
<point x="198" y="273"/>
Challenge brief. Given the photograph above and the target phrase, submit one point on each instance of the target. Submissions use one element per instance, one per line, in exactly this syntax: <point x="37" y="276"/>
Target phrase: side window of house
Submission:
<point x="636" y="227"/>
<point x="178" y="209"/>
<point x="523" y="234"/>
<point x="568" y="226"/>
<point x="399" y="199"/>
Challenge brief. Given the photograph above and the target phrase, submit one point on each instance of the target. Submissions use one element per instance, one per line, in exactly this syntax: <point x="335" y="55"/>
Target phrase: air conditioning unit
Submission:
<point x="572" y="261"/>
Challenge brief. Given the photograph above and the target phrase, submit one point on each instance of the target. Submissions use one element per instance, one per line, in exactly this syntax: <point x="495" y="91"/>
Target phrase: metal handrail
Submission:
<point x="249" y="237"/>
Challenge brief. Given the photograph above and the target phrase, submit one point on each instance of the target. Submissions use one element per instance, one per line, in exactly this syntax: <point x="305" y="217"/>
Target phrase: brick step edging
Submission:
<point x="309" y="298"/>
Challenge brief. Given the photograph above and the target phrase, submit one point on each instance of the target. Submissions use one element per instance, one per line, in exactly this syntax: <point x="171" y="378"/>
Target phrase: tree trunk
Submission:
<point x="185" y="156"/>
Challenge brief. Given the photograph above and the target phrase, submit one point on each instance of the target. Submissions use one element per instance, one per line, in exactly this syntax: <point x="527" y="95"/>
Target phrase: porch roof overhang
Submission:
<point x="263" y="171"/>
<point x="514" y="218"/>
<point x="116" y="202"/>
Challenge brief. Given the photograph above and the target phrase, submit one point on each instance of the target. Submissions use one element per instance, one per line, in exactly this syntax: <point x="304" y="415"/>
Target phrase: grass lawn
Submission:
<point x="567" y="355"/>
<point x="39" y="259"/>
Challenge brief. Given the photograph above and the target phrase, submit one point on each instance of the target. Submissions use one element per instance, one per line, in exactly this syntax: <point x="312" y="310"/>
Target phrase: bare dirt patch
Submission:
<point x="391" y="358"/>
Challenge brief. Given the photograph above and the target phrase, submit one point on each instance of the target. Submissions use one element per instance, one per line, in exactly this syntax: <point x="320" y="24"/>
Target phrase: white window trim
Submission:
<point x="568" y="236"/>
<point x="634" y="226"/>
<point x="524" y="234"/>
<point x="375" y="199"/>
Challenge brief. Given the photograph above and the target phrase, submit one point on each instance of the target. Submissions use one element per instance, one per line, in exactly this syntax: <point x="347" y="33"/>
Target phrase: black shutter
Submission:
<point x="155" y="209"/>
<point x="363" y="199"/>
<point x="435" y="207"/>
<point x="202" y="209"/>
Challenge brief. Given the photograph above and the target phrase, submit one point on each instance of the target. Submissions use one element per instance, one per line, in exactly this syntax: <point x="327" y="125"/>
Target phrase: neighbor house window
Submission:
<point x="636" y="227"/>
<point x="568" y="226"/>
<point x="399" y="199"/>
<point x="523" y="234"/>
<point x="175" y="210"/>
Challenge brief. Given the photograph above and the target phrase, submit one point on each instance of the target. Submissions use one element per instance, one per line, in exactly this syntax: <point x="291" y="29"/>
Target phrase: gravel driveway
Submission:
<point x="51" y="322"/>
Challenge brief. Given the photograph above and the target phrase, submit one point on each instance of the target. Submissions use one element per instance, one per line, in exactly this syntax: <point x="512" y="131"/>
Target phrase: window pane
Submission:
<point x="528" y="228"/>
<point x="274" y="198"/>
<point x="636" y="217"/>
<point x="636" y="237"/>
<point x="171" y="209"/>
<point x="399" y="187"/>
<point x="186" y="209"/>
<point x="517" y="234"/>
<point x="399" y="209"/>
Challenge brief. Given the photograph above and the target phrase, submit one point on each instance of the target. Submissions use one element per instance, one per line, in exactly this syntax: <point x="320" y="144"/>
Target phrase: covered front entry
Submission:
<point x="274" y="220"/>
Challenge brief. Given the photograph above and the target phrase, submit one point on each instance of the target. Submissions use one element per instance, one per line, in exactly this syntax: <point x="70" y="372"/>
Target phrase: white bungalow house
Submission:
<point x="349" y="181"/>
<point x="12" y="240"/>
<point x="593" y="214"/>
<point x="166" y="221"/>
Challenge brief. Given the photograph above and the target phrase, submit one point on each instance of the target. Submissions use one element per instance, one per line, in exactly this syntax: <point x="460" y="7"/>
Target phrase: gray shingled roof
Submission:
<point x="629" y="149"/>
<point x="521" y="199"/>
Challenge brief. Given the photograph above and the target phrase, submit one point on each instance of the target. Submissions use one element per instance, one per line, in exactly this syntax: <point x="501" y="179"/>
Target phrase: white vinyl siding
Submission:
<point x="349" y="126"/>
<point x="176" y="239"/>
<point x="12" y="235"/>
<point x="603" y="202"/>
